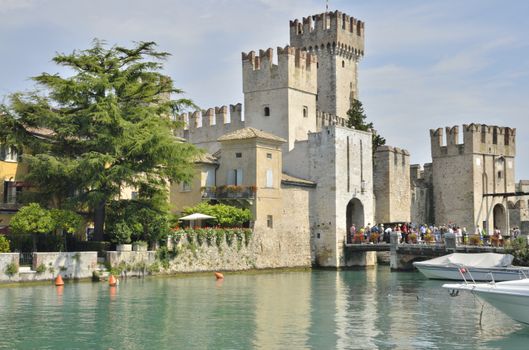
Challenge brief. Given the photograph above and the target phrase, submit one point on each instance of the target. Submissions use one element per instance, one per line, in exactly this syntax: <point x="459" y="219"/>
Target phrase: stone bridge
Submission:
<point x="403" y="255"/>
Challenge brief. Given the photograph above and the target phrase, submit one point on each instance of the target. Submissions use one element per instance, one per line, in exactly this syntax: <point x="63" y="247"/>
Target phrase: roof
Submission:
<point x="206" y="158"/>
<point x="296" y="181"/>
<point x="250" y="133"/>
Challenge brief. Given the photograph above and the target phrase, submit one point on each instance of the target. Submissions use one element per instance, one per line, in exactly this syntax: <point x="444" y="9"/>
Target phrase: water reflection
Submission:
<point x="372" y="309"/>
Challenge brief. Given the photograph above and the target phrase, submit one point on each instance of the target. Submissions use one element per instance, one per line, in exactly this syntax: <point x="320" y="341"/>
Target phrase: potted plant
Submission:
<point x="139" y="246"/>
<point x="121" y="236"/>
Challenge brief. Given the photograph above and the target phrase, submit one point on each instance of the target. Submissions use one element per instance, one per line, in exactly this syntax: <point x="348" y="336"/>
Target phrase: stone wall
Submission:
<point x="46" y="266"/>
<point x="5" y="260"/>
<point x="133" y="263"/>
<point x="69" y="265"/>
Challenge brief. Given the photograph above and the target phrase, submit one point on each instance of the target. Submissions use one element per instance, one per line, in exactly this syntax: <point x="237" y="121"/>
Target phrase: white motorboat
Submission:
<point x="510" y="297"/>
<point x="481" y="266"/>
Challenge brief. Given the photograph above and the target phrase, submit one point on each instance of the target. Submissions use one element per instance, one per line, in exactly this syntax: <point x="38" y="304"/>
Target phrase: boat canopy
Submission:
<point x="472" y="260"/>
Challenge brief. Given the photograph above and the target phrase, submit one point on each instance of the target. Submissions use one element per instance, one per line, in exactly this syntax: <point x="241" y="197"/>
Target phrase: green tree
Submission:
<point x="226" y="215"/>
<point x="4" y="244"/>
<point x="66" y="220"/>
<point x="105" y="126"/>
<point x="356" y="118"/>
<point x="32" y="219"/>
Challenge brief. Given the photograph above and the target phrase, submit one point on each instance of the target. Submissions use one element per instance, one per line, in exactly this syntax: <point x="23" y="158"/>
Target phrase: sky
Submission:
<point x="427" y="64"/>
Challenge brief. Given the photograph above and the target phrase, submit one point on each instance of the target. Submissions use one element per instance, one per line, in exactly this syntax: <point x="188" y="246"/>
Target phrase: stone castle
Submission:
<point x="289" y="157"/>
<point x="314" y="176"/>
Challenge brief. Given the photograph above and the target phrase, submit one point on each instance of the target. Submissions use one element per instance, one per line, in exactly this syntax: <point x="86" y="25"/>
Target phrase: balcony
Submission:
<point x="230" y="192"/>
<point x="10" y="206"/>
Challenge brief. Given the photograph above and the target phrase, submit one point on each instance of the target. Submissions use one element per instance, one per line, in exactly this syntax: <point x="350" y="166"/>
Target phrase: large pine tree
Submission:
<point x="105" y="126"/>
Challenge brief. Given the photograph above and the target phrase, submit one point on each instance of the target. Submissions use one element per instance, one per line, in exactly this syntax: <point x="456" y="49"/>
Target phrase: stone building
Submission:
<point x="324" y="180"/>
<point x="470" y="181"/>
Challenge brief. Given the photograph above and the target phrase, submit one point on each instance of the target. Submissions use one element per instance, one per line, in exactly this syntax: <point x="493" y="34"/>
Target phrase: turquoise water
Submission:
<point x="373" y="309"/>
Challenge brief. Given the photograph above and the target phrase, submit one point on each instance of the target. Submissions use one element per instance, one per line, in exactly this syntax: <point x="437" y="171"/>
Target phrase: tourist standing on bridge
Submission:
<point x="352" y="231"/>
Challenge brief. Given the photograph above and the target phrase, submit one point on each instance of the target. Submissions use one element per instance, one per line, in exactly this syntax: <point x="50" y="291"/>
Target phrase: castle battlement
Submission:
<point x="325" y="119"/>
<point x="392" y="157"/>
<point x="334" y="30"/>
<point x="477" y="138"/>
<point x="203" y="128"/>
<point x="295" y="68"/>
<point x="211" y="117"/>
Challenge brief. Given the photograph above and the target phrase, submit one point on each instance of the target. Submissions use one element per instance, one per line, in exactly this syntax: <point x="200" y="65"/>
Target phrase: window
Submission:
<point x="500" y="174"/>
<point x="269" y="178"/>
<point x="343" y="64"/>
<point x="269" y="155"/>
<point x="235" y="177"/>
<point x="266" y="111"/>
<point x="210" y="178"/>
<point x="186" y="187"/>
<point x="11" y="192"/>
<point x="134" y="195"/>
<point x="238" y="155"/>
<point x="305" y="112"/>
<point x="269" y="221"/>
<point x="8" y="154"/>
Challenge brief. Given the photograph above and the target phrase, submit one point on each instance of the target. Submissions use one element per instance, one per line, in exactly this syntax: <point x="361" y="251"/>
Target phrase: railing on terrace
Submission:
<point x="229" y="192"/>
<point x="26" y="259"/>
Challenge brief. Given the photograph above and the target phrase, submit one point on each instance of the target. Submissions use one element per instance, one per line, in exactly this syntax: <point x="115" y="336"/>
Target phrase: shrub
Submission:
<point x="4" y="244"/>
<point x="226" y="215"/>
<point x="11" y="269"/>
<point x="41" y="269"/>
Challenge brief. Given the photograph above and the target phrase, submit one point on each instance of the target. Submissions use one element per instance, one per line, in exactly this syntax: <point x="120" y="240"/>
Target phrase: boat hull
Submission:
<point x="471" y="273"/>
<point x="511" y="298"/>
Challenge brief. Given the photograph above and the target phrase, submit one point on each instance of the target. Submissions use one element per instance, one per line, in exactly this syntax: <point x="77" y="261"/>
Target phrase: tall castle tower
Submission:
<point x="470" y="178"/>
<point x="338" y="41"/>
<point x="280" y="98"/>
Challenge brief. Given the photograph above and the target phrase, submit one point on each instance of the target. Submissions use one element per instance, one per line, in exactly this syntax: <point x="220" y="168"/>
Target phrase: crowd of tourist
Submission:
<point x="414" y="233"/>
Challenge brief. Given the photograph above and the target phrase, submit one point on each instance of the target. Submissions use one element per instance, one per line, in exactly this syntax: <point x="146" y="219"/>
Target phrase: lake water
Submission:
<point x="373" y="309"/>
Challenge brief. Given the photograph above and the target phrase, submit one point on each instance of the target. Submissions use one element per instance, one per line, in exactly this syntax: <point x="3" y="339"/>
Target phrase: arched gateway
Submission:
<point x="500" y="218"/>
<point x="355" y="213"/>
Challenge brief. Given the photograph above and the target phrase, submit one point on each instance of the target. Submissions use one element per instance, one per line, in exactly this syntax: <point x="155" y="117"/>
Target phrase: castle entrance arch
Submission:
<point x="355" y="213"/>
<point x="500" y="219"/>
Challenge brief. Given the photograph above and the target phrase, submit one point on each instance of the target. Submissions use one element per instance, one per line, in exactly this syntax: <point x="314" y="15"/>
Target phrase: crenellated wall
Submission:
<point x="203" y="128"/>
<point x="333" y="28"/>
<point x="477" y="138"/>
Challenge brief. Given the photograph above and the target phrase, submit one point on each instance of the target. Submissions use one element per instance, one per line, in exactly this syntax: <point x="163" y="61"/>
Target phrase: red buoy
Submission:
<point x="59" y="281"/>
<point x="112" y="281"/>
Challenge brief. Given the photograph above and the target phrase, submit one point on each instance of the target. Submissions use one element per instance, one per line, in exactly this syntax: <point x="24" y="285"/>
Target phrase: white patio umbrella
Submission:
<point x="196" y="216"/>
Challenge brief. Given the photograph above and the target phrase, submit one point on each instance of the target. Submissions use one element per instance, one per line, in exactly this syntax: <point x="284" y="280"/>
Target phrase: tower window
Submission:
<point x="500" y="174"/>
<point x="343" y="64"/>
<point x="269" y="221"/>
<point x="305" y="112"/>
<point x="238" y="155"/>
<point x="266" y="111"/>
<point x="269" y="155"/>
